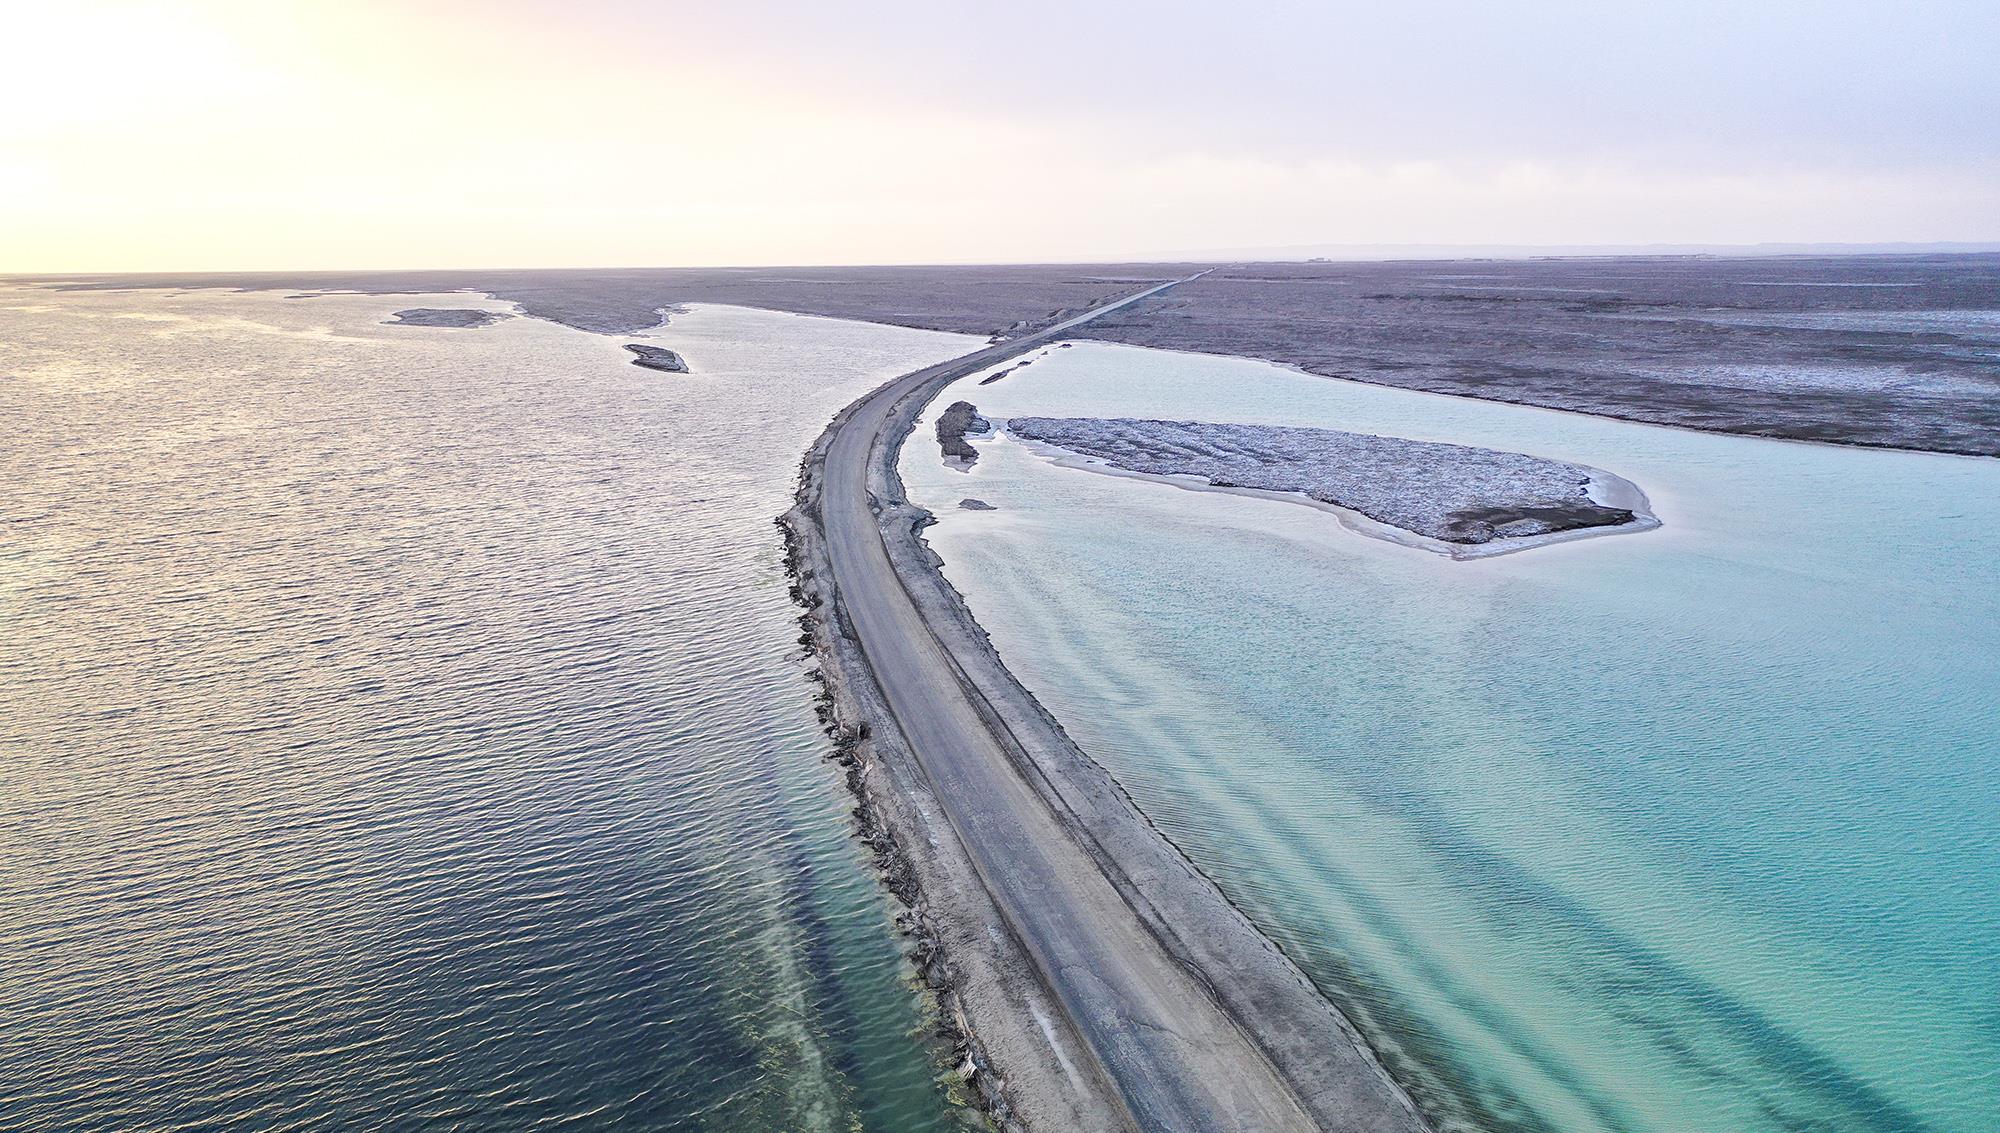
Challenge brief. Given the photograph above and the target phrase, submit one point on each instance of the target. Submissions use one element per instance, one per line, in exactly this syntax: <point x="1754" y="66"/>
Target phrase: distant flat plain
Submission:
<point x="1890" y="351"/>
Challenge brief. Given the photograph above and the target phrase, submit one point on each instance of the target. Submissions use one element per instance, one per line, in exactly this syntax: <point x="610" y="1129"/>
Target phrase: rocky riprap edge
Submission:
<point x="1005" y="1029"/>
<point x="843" y="706"/>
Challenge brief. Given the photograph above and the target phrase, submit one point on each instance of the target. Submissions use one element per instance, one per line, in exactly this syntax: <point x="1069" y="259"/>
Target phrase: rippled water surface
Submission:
<point x="1692" y="830"/>
<point x="403" y="728"/>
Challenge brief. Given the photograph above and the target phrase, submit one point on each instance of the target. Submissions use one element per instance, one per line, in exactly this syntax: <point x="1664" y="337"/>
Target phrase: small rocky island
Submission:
<point x="657" y="358"/>
<point x="1454" y="494"/>
<point x="459" y="318"/>
<point x="960" y="419"/>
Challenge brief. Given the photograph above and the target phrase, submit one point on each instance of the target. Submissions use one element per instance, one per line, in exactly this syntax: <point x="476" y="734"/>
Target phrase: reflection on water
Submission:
<point x="403" y="728"/>
<point x="1695" y="829"/>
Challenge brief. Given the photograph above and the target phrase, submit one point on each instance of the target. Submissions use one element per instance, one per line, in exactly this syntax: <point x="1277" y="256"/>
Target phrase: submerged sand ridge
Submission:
<point x="1458" y="495"/>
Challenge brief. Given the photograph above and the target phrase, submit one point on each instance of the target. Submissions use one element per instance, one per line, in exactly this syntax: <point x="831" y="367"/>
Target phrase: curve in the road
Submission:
<point x="1179" y="1055"/>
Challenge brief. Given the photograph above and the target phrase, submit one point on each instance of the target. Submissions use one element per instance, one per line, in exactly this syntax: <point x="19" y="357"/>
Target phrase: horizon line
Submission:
<point x="1285" y="253"/>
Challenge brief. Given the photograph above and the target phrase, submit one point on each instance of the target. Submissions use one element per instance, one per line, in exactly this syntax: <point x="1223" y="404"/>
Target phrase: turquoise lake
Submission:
<point x="1693" y="829"/>
<point x="406" y="728"/>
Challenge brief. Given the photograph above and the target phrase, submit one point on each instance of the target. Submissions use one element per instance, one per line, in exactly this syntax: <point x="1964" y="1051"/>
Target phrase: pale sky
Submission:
<point x="222" y="134"/>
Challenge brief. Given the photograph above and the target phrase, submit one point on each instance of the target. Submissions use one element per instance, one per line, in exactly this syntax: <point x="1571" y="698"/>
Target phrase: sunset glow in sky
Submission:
<point x="223" y="134"/>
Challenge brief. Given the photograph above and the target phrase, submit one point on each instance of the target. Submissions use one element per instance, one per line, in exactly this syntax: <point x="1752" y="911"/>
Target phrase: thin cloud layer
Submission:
<point x="234" y="135"/>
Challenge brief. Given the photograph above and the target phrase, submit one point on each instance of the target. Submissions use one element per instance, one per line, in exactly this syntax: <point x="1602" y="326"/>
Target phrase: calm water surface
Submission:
<point x="403" y="728"/>
<point x="1693" y="830"/>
